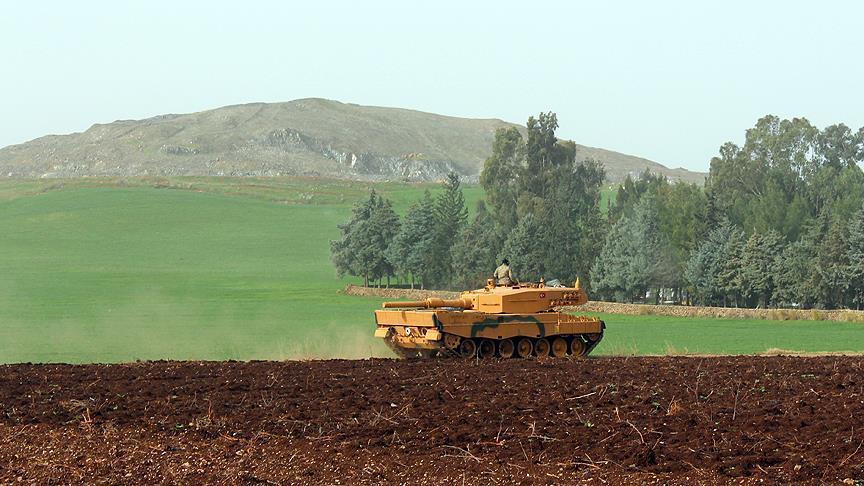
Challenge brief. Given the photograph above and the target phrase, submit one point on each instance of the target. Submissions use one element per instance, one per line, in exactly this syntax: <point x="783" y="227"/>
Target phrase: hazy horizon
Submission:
<point x="670" y="83"/>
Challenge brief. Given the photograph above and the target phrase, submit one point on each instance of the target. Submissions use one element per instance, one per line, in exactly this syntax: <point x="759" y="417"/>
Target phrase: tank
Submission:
<point x="519" y="321"/>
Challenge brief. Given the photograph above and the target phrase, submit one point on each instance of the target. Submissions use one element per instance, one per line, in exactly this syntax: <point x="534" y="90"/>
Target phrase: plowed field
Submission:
<point x="613" y="420"/>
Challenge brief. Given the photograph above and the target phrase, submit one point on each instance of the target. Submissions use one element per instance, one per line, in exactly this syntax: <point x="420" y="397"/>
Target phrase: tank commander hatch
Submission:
<point x="503" y="276"/>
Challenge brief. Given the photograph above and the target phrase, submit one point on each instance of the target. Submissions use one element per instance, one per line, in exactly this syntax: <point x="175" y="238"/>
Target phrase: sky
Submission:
<point x="669" y="81"/>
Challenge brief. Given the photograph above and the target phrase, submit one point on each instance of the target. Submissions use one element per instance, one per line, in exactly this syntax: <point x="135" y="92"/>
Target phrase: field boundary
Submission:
<point x="642" y="309"/>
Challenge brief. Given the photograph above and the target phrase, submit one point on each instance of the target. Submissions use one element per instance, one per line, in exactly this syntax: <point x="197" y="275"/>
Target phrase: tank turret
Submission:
<point x="501" y="300"/>
<point x="520" y="320"/>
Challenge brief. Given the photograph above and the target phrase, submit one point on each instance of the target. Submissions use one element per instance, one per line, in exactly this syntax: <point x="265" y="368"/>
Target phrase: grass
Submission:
<point x="104" y="270"/>
<point x="279" y="190"/>
<point x="662" y="335"/>
<point x="608" y="195"/>
<point x="118" y="274"/>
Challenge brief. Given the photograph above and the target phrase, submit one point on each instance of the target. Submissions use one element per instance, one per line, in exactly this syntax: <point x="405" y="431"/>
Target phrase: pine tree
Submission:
<point x="542" y="153"/>
<point x="573" y="226"/>
<point x="855" y="257"/>
<point x="729" y="276"/>
<point x="798" y="283"/>
<point x="749" y="276"/>
<point x="682" y="213"/>
<point x="501" y="175"/>
<point x="697" y="274"/>
<point x="385" y="225"/>
<point x="635" y="257"/>
<point x="757" y="261"/>
<point x="474" y="251"/>
<point x="653" y="260"/>
<point x="561" y="234"/>
<point x="833" y="265"/>
<point x="451" y="215"/>
<point x="592" y="230"/>
<point x="705" y="264"/>
<point x="365" y="237"/>
<point x="609" y="277"/>
<point x="525" y="251"/>
<point x="772" y="248"/>
<point x="412" y="250"/>
<point x="344" y="251"/>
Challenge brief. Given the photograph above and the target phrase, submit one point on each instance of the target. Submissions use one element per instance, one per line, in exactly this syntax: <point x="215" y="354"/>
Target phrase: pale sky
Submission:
<point x="670" y="81"/>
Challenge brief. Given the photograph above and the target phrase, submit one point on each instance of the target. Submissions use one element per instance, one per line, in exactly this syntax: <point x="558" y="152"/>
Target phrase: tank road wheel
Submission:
<point x="577" y="347"/>
<point x="468" y="348"/>
<point x="506" y="349"/>
<point x="559" y="347"/>
<point x="451" y="341"/>
<point x="542" y="348"/>
<point x="524" y="347"/>
<point x="486" y="349"/>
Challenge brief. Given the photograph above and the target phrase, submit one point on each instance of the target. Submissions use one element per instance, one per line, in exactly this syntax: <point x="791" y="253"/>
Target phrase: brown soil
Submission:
<point x="617" y="420"/>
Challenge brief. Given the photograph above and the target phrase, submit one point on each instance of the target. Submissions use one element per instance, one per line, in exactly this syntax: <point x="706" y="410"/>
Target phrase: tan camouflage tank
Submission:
<point x="503" y="321"/>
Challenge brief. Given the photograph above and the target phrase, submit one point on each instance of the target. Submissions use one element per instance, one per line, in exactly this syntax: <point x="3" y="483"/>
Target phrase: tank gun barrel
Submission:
<point x="430" y="303"/>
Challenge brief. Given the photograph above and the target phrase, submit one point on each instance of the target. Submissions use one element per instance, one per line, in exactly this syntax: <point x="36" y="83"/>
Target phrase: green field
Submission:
<point x="194" y="268"/>
<point x="662" y="335"/>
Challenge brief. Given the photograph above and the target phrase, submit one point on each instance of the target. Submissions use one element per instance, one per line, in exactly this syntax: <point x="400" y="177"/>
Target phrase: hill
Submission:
<point x="312" y="137"/>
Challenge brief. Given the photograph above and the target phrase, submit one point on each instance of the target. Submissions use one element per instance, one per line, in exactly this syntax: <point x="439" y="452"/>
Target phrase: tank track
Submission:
<point x="592" y="345"/>
<point x="399" y="351"/>
<point x="446" y="352"/>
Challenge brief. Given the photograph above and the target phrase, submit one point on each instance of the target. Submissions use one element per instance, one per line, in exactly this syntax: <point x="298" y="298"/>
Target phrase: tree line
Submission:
<point x="376" y="244"/>
<point x="779" y="222"/>
<point x="542" y="209"/>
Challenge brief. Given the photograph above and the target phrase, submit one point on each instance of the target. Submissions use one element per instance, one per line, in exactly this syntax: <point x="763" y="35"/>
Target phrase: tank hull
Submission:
<point x="455" y="332"/>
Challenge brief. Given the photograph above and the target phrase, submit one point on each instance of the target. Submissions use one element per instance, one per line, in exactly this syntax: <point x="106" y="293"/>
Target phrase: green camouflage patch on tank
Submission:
<point x="493" y="323"/>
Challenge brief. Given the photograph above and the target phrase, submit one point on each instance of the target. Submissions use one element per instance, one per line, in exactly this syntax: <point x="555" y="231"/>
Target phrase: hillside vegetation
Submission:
<point x="311" y="137"/>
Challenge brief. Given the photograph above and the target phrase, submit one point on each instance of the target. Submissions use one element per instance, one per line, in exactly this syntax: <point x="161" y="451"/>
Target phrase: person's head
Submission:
<point x="505" y="262"/>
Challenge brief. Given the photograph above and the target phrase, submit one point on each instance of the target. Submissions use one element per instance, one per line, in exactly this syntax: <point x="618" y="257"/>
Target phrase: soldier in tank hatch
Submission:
<point x="503" y="275"/>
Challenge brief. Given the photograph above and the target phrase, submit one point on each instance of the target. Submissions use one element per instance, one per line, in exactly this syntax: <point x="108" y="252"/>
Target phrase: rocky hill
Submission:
<point x="301" y="137"/>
